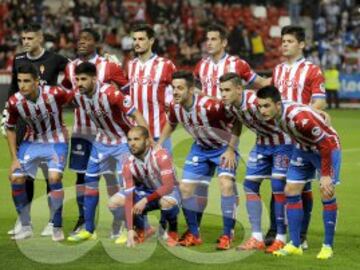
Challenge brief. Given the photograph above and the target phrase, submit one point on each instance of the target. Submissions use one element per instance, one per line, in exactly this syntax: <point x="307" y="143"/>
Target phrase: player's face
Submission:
<point x="86" y="44"/>
<point x="290" y="46"/>
<point x="85" y="83"/>
<point x="137" y="142"/>
<point x="268" y="108"/>
<point x="181" y="92"/>
<point x="142" y="43"/>
<point x="229" y="92"/>
<point x="214" y="44"/>
<point x="27" y="84"/>
<point x="31" y="41"/>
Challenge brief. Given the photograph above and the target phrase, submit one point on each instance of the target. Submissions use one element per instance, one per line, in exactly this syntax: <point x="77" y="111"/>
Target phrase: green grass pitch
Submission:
<point x="40" y="253"/>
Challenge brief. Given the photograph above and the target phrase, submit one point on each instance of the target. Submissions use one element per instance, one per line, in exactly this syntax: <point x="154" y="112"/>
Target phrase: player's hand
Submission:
<point x="131" y="238"/>
<point x="4" y="118"/>
<point x="228" y="159"/>
<point x="14" y="165"/>
<point x="327" y="187"/>
<point x="140" y="206"/>
<point x="112" y="58"/>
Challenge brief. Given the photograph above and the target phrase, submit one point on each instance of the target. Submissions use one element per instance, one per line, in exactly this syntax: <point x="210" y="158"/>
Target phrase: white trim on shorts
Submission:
<point x="298" y="181"/>
<point x="195" y="181"/>
<point x="226" y="174"/>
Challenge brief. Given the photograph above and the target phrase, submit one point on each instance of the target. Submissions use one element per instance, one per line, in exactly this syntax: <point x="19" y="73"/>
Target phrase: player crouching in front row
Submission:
<point x="318" y="148"/>
<point x="149" y="184"/>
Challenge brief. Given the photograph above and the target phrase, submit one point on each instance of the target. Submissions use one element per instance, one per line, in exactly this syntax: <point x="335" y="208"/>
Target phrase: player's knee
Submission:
<point x="187" y="189"/>
<point x="116" y="201"/>
<point x="226" y="185"/>
<point x="166" y="203"/>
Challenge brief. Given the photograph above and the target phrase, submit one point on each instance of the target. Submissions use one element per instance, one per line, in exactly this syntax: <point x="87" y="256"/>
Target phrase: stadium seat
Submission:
<point x="259" y="12"/>
<point x="275" y="31"/>
<point x="284" y="20"/>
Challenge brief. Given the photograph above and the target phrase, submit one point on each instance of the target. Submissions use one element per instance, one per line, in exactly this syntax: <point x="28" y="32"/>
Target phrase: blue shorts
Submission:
<point x="31" y="155"/>
<point x="304" y="164"/>
<point x="200" y="164"/>
<point x="267" y="161"/>
<point x="79" y="154"/>
<point x="141" y="192"/>
<point x="107" y="159"/>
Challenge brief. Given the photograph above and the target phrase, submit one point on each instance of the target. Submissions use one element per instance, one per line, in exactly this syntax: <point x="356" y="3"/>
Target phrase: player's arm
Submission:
<point x="11" y="137"/>
<point x="167" y="179"/>
<point x="165" y="134"/>
<point x="260" y="82"/>
<point x="229" y="156"/>
<point x="312" y="130"/>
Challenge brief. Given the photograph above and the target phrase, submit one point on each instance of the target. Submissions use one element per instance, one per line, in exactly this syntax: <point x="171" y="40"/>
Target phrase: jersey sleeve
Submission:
<point x="116" y="75"/>
<point x="14" y="84"/>
<point x="13" y="113"/>
<point x="62" y="96"/>
<point x="317" y="83"/>
<point x="122" y="102"/>
<point x="167" y="176"/>
<point x="244" y="70"/>
<point x="62" y="62"/>
<point x="168" y="72"/>
<point x="309" y="126"/>
<point x="66" y="81"/>
<point x="172" y="119"/>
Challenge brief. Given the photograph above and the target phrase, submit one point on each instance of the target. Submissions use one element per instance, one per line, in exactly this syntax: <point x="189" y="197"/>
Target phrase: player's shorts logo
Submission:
<point x="26" y="157"/>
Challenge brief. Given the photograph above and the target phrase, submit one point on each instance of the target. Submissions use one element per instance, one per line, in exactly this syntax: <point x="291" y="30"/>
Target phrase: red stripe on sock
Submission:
<point x="91" y="192"/>
<point x="252" y="197"/>
<point x="17" y="192"/>
<point x="280" y="198"/>
<point x="330" y="207"/>
<point x="57" y="194"/>
<point x="297" y="205"/>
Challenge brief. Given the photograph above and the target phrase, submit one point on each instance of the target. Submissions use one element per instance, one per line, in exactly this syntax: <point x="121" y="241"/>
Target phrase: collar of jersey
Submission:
<point x="93" y="58"/>
<point x="192" y="105"/>
<point x="220" y="60"/>
<point x="36" y="57"/>
<point x="302" y="58"/>
<point x="150" y="58"/>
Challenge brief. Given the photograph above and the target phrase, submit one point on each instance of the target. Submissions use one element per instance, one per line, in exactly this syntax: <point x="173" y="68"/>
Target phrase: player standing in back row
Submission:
<point x="300" y="81"/>
<point x="208" y="72"/>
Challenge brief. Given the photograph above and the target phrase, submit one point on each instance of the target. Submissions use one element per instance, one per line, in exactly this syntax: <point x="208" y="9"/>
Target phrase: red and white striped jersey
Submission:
<point x="300" y="82"/>
<point x="107" y="72"/>
<point x="108" y="108"/>
<point x="310" y="131"/>
<point x="267" y="133"/>
<point x="207" y="121"/>
<point x="43" y="117"/>
<point x="150" y="89"/>
<point x="209" y="73"/>
<point x="156" y="172"/>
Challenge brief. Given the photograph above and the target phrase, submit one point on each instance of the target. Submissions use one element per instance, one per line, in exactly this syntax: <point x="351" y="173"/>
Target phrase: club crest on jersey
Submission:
<point x="316" y="131"/>
<point x="127" y="102"/>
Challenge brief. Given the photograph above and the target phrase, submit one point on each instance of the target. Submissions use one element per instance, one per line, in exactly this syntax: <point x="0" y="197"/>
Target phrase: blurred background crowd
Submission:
<point x="333" y="28"/>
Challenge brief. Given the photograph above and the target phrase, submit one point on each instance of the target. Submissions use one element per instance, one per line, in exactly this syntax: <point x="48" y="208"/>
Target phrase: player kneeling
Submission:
<point x="149" y="184"/>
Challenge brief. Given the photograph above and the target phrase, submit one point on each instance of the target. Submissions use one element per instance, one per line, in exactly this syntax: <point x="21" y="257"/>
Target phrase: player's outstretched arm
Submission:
<point x="260" y="82"/>
<point x="11" y="138"/>
<point x="165" y="134"/>
<point x="229" y="157"/>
